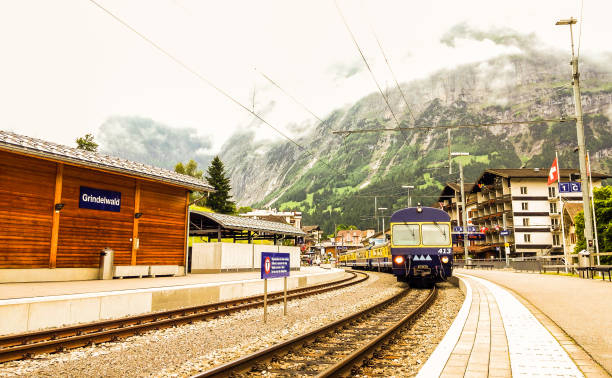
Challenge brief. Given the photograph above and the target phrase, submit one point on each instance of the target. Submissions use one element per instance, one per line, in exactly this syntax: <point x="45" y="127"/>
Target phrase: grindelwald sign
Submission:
<point x="99" y="199"/>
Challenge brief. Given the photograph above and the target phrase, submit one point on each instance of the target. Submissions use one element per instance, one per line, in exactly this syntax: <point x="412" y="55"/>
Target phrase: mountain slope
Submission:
<point x="337" y="183"/>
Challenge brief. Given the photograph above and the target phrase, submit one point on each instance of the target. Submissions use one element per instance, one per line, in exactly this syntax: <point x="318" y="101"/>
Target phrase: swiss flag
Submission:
<point x="553" y="174"/>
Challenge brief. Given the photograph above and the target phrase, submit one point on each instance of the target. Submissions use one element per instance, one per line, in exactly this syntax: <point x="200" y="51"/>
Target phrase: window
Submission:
<point x="552" y="191"/>
<point x="406" y="234"/>
<point x="436" y="234"/>
<point x="524" y="205"/>
<point x="523" y="190"/>
<point x="553" y="208"/>
<point x="527" y="238"/>
<point x="554" y="222"/>
<point x="556" y="239"/>
<point x="525" y="221"/>
<point x="573" y="238"/>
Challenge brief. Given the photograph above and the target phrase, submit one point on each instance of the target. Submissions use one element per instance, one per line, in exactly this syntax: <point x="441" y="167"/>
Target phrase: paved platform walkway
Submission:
<point x="496" y="334"/>
<point x="582" y="308"/>
<point x="46" y="289"/>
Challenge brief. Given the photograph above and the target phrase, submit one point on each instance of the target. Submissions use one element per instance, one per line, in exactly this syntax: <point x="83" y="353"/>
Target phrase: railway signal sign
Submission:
<point x="274" y="265"/>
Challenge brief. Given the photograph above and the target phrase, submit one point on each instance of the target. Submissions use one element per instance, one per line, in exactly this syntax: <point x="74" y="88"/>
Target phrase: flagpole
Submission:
<point x="592" y="204"/>
<point x="562" y="215"/>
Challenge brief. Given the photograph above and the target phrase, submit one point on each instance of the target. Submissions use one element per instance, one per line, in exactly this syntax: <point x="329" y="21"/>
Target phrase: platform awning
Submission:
<point x="239" y="228"/>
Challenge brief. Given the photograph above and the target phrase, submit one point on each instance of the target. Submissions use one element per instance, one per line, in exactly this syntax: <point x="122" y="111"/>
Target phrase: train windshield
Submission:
<point x="436" y="234"/>
<point x="406" y="234"/>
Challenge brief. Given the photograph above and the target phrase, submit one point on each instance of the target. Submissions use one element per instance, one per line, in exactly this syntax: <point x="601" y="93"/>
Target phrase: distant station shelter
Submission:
<point x="222" y="226"/>
<point x="62" y="206"/>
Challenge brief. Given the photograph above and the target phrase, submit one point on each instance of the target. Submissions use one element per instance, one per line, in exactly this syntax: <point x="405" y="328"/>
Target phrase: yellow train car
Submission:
<point x="369" y="258"/>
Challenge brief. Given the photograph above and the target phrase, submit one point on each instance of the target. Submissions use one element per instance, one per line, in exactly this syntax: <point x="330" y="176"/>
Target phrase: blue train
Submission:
<point x="420" y="250"/>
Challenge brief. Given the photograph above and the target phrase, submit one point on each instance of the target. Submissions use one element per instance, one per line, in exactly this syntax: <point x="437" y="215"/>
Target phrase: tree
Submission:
<point x="244" y="209"/>
<point x="191" y="169"/>
<point x="603" y="213"/>
<point x="219" y="200"/>
<point x="87" y="143"/>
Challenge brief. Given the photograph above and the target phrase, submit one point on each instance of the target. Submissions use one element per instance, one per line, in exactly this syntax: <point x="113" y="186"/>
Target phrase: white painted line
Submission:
<point x="4" y="302"/>
<point x="534" y="352"/>
<point x="437" y="360"/>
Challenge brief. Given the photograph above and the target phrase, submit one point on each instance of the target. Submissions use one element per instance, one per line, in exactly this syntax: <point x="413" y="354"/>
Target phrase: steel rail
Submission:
<point x="358" y="357"/>
<point x="14" y="347"/>
<point x="243" y="364"/>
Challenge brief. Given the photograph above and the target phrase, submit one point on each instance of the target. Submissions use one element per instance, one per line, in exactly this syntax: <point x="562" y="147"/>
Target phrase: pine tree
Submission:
<point x="219" y="200"/>
<point x="87" y="143"/>
<point x="191" y="169"/>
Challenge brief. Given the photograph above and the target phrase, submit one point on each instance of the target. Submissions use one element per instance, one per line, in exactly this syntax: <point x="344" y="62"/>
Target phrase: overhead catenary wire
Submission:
<point x="365" y="61"/>
<point x="382" y="51"/>
<point x="204" y="79"/>
<point x="382" y="129"/>
<point x="580" y="28"/>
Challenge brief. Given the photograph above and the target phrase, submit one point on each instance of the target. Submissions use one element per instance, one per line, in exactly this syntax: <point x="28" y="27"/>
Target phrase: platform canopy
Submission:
<point x="221" y="226"/>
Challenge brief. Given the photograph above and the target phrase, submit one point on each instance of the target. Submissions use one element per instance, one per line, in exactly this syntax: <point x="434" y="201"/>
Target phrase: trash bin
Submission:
<point x="107" y="257"/>
<point x="584" y="258"/>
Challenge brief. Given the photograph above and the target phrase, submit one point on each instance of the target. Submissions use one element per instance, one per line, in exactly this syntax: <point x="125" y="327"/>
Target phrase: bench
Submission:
<point x="602" y="270"/>
<point x="486" y="266"/>
<point x="551" y="268"/>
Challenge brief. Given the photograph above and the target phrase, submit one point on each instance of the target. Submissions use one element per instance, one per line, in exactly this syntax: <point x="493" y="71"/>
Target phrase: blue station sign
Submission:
<point x="99" y="199"/>
<point x="570" y="187"/>
<point x="504" y="233"/>
<point x="460" y="229"/>
<point x="274" y="265"/>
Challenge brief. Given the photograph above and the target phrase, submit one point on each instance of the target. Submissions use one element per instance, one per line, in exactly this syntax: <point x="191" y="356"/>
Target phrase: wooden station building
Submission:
<point x="61" y="206"/>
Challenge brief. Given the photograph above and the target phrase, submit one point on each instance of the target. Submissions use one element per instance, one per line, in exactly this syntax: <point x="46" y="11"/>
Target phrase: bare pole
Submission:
<point x="450" y="165"/>
<point x="465" y="233"/>
<point x="593" y="206"/>
<point x="588" y="221"/>
<point x="562" y="217"/>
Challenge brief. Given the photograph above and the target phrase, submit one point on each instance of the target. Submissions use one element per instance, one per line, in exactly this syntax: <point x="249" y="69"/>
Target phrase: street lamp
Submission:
<point x="408" y="187"/>
<point x="465" y="233"/>
<point x="383" y="218"/>
<point x="588" y="221"/>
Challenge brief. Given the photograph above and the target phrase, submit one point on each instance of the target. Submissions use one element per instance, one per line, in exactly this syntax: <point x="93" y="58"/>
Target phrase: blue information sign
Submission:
<point x="504" y="233"/>
<point x="99" y="199"/>
<point x="570" y="187"/>
<point x="460" y="229"/>
<point x="274" y="265"/>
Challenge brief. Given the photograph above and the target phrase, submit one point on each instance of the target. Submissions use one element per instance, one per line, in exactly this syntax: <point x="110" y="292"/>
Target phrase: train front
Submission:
<point x="421" y="245"/>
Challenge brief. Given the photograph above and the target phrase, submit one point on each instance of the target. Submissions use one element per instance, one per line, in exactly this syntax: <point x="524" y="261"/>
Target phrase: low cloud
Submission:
<point x="499" y="36"/>
<point x="147" y="141"/>
<point x="343" y="70"/>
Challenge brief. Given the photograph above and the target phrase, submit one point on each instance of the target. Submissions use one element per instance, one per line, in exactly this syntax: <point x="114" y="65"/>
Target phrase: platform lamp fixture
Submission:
<point x="59" y="206"/>
<point x="408" y="187"/>
<point x="465" y="232"/>
<point x="137" y="215"/>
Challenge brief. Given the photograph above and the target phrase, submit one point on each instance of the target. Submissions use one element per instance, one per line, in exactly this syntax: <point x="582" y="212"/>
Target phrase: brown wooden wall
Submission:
<point x="27" y="190"/>
<point x="83" y="233"/>
<point x="27" y="186"/>
<point x="162" y="227"/>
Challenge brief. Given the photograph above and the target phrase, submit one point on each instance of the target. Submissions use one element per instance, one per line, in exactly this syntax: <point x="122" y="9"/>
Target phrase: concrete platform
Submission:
<point x="34" y="306"/>
<point x="498" y="334"/>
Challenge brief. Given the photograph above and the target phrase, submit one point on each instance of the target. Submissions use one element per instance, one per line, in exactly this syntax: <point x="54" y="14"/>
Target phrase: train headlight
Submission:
<point x="399" y="260"/>
<point x="445" y="259"/>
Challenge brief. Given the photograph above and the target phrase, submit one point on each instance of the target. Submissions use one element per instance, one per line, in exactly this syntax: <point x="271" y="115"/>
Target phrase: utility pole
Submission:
<point x="450" y="165"/>
<point x="506" y="245"/>
<point x="376" y="214"/>
<point x="588" y="221"/>
<point x="465" y="231"/>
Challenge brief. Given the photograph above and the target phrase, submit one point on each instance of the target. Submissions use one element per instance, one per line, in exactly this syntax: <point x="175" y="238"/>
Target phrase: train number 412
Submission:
<point x="445" y="251"/>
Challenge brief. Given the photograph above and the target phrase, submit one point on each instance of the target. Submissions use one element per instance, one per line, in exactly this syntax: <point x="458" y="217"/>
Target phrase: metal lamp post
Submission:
<point x="465" y="232"/>
<point x="408" y="187"/>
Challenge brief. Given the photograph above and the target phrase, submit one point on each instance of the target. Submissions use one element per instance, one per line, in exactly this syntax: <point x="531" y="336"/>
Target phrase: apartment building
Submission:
<point x="450" y="201"/>
<point x="521" y="202"/>
<point x="293" y="218"/>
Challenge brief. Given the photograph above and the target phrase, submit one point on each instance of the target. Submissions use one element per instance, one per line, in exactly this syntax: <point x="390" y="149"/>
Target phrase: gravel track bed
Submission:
<point x="408" y="352"/>
<point x="188" y="349"/>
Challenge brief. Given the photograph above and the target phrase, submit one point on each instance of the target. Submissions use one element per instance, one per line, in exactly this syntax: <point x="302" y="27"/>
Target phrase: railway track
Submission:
<point x="341" y="348"/>
<point x="15" y="347"/>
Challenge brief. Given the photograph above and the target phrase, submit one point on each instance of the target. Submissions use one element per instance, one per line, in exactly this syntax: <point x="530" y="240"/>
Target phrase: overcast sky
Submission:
<point x="67" y="66"/>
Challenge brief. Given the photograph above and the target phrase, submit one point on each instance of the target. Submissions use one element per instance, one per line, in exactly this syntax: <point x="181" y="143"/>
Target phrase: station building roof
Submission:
<point x="56" y="152"/>
<point x="204" y="221"/>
